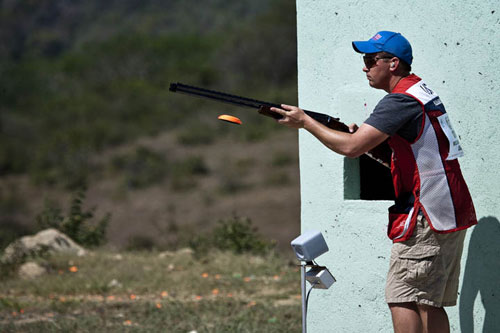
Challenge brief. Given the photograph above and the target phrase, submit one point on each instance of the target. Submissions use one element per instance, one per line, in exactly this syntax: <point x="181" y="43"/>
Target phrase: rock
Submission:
<point x="46" y="241"/>
<point x="185" y="251"/>
<point x="31" y="270"/>
<point x="181" y="252"/>
<point x="114" y="284"/>
<point x="166" y="254"/>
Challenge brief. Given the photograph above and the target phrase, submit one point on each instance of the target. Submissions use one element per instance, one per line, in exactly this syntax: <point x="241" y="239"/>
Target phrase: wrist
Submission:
<point x="308" y="123"/>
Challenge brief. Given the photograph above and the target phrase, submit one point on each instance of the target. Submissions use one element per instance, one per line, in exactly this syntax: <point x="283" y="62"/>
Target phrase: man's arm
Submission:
<point x="348" y="144"/>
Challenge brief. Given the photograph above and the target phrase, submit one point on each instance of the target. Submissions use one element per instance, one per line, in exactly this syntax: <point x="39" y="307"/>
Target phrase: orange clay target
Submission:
<point x="229" y="119"/>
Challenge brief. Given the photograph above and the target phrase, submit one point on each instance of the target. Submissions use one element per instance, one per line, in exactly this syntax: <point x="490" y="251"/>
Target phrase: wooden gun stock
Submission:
<point x="382" y="153"/>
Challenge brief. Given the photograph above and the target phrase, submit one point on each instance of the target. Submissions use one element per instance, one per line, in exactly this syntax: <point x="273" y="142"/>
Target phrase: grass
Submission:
<point x="154" y="291"/>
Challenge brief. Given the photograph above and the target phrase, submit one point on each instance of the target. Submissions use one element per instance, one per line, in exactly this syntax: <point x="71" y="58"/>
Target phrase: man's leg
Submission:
<point x="406" y="318"/>
<point x="433" y="319"/>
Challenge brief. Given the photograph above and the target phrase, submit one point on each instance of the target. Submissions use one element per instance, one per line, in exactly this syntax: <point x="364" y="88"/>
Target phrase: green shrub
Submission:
<point x="236" y="235"/>
<point x="77" y="225"/>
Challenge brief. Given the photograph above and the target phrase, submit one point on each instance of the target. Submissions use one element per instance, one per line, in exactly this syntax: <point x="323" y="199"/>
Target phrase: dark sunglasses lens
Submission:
<point x="369" y="61"/>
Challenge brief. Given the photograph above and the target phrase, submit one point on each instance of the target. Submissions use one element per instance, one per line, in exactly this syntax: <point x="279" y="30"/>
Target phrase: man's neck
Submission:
<point x="394" y="81"/>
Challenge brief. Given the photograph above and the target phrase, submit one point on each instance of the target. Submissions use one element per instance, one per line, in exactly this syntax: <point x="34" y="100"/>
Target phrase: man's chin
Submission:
<point x="373" y="84"/>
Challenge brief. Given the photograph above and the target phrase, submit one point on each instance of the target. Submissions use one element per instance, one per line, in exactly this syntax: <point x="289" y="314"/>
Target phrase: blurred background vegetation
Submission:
<point x="84" y="103"/>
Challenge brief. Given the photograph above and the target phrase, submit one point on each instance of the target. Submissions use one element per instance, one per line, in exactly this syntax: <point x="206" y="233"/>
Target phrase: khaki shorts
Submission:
<point x="425" y="269"/>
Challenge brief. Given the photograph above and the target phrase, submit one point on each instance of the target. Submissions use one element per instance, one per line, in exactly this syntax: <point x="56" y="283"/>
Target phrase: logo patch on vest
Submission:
<point x="422" y="92"/>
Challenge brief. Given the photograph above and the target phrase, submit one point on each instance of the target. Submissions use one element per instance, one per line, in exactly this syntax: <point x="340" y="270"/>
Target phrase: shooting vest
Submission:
<point x="426" y="174"/>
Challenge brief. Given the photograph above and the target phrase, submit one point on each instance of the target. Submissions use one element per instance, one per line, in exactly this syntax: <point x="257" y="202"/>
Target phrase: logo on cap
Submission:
<point x="376" y="37"/>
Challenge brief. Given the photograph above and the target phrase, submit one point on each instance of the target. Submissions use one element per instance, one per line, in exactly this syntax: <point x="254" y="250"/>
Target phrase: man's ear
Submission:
<point x="394" y="64"/>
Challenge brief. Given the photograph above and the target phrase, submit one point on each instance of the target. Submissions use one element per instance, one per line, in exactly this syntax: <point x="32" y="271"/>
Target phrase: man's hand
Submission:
<point x="293" y="116"/>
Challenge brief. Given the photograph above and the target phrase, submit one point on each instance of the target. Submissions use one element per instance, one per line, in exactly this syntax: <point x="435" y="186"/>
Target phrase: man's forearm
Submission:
<point x="340" y="142"/>
<point x="348" y="144"/>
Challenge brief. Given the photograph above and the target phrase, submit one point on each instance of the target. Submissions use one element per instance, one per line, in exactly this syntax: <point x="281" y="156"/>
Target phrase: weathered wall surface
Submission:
<point x="456" y="47"/>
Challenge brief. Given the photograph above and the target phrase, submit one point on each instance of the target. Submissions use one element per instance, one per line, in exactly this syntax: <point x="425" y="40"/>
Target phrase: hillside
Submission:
<point x="85" y="104"/>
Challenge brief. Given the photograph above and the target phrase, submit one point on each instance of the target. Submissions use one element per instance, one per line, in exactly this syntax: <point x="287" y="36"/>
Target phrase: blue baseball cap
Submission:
<point x="386" y="41"/>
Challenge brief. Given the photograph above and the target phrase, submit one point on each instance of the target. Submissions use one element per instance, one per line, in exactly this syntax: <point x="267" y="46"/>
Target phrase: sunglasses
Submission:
<point x="370" y="61"/>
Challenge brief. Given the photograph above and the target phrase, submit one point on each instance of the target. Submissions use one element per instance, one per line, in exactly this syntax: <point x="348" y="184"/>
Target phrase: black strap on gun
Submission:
<point x="381" y="153"/>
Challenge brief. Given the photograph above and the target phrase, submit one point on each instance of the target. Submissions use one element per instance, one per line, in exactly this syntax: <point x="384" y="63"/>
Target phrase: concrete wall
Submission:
<point x="456" y="50"/>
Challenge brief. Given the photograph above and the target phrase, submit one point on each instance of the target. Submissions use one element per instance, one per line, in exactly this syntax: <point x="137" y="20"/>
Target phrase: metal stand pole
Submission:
<point x="303" y="287"/>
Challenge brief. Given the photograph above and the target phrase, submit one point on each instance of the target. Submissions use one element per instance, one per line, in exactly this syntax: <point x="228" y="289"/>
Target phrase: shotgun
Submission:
<point x="382" y="153"/>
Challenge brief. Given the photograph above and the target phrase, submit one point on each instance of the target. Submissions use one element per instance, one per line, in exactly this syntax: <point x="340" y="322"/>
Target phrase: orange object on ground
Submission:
<point x="229" y="119"/>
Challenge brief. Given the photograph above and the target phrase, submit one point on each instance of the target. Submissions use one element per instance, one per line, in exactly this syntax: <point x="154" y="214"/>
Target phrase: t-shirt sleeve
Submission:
<point x="397" y="114"/>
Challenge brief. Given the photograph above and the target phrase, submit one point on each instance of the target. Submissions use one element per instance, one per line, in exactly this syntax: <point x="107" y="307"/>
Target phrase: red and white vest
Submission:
<point x="426" y="173"/>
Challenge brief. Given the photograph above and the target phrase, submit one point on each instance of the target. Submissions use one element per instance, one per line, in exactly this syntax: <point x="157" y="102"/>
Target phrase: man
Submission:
<point x="433" y="205"/>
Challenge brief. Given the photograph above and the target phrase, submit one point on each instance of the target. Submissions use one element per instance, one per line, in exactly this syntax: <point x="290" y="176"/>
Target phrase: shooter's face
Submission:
<point x="377" y="69"/>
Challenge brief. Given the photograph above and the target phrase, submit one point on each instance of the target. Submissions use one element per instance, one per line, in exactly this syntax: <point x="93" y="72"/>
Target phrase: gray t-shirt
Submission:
<point x="397" y="114"/>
